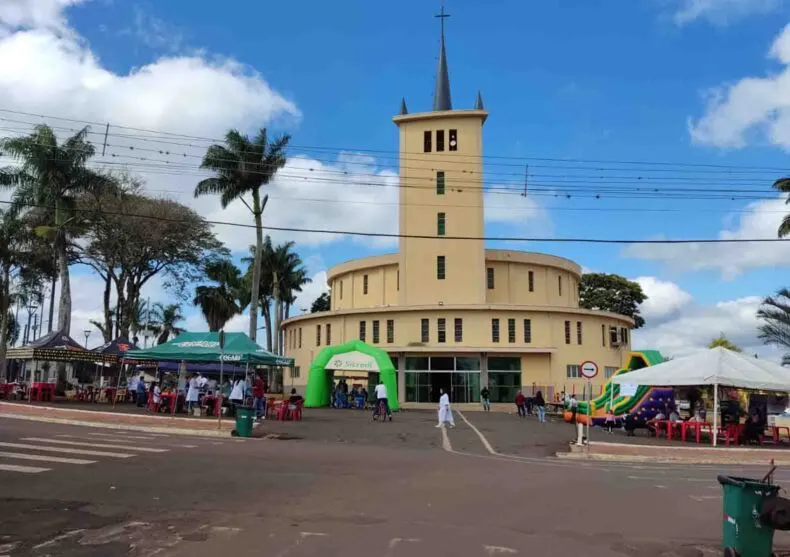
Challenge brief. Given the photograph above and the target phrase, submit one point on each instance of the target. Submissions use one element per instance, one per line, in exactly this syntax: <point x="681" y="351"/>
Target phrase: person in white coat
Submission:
<point x="445" y="413"/>
<point x="192" y="393"/>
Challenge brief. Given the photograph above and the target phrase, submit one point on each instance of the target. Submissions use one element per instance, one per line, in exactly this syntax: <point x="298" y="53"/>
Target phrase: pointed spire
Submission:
<point x="403" y="109"/>
<point x="479" y="102"/>
<point x="441" y="95"/>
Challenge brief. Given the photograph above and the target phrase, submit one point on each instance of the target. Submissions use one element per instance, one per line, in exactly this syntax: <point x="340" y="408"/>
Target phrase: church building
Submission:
<point x="450" y="313"/>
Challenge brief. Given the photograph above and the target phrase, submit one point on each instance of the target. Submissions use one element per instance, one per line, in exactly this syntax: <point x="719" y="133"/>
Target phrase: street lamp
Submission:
<point x="31" y="311"/>
<point x="87" y="333"/>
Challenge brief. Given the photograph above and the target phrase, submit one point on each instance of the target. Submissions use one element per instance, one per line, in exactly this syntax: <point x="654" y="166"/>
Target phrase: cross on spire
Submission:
<point x="441" y="96"/>
<point x="442" y="15"/>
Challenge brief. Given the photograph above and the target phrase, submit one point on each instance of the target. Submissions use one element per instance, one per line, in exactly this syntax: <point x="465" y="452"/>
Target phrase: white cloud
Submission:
<point x="721" y="12"/>
<point x="753" y="107"/>
<point x="310" y="292"/>
<point x="689" y="327"/>
<point x="35" y="13"/>
<point x="524" y="213"/>
<point x="761" y="220"/>
<point x="664" y="298"/>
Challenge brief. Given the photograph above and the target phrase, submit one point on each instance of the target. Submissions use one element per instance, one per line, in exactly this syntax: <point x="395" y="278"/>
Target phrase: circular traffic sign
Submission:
<point x="589" y="369"/>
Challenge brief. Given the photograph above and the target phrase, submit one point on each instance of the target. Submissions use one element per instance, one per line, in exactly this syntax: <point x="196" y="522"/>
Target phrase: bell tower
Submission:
<point x="441" y="198"/>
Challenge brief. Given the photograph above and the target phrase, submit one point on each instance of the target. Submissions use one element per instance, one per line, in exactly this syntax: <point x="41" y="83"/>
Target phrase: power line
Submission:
<point x="454" y="156"/>
<point x="420" y="236"/>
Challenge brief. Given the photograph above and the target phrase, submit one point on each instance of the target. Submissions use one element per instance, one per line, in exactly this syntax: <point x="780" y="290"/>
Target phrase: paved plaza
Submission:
<point x="339" y="484"/>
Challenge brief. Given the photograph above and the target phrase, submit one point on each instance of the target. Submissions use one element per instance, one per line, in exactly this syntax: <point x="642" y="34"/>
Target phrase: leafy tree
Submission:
<point x="164" y="321"/>
<point x="775" y="314"/>
<point x="242" y="166"/>
<point x="131" y="239"/>
<point x="322" y="303"/>
<point x="50" y="177"/>
<point x="724" y="342"/>
<point x="613" y="293"/>
<point x="783" y="185"/>
<point x="228" y="298"/>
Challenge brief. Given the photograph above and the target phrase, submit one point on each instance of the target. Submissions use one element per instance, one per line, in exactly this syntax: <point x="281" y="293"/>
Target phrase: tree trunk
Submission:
<point x="277" y="311"/>
<point x="5" y="298"/>
<point x="64" y="307"/>
<point x="52" y="302"/>
<point x="107" y="331"/>
<point x="267" y="316"/>
<point x="256" y="269"/>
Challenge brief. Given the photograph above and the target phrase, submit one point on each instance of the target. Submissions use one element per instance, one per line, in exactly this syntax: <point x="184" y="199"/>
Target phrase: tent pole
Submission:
<point x="715" y="413"/>
<point x="118" y="384"/>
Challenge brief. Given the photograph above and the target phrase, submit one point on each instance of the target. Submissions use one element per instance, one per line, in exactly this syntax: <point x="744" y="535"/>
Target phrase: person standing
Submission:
<point x="259" y="397"/>
<point x="237" y="394"/>
<point x="131" y="388"/>
<point x="484" y="398"/>
<point x="540" y="404"/>
<point x="141" y="400"/>
<point x="521" y="404"/>
<point x="574" y="404"/>
<point x="445" y="412"/>
<point x="192" y="393"/>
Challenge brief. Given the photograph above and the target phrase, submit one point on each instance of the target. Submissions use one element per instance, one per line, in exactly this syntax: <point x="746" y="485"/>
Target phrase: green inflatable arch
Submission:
<point x="319" y="383"/>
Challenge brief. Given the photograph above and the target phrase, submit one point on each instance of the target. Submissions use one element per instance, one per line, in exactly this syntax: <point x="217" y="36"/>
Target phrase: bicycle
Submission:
<point x="380" y="411"/>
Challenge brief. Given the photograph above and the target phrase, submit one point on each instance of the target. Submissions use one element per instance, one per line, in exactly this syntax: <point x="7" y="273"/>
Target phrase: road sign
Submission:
<point x="589" y="370"/>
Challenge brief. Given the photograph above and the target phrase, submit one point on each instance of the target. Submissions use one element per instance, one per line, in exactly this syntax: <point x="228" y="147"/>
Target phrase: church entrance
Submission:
<point x="427" y="376"/>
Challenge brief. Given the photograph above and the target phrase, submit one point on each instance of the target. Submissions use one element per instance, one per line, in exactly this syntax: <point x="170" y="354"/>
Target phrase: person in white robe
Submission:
<point x="445" y="413"/>
<point x="192" y="393"/>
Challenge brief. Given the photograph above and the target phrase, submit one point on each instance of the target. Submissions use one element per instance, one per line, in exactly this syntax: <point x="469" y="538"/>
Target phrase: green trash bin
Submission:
<point x="744" y="535"/>
<point x="244" y="419"/>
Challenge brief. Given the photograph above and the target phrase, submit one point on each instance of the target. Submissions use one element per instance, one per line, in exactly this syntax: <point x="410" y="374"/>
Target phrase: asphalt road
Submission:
<point x="345" y="486"/>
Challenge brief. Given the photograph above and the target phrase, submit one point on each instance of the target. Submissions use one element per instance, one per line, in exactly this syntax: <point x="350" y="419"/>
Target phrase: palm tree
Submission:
<point x="164" y="321"/>
<point x="220" y="303"/>
<point x="724" y="342"/>
<point x="51" y="177"/>
<point x="288" y="277"/>
<point x="264" y="282"/>
<point x="775" y="312"/>
<point x="783" y="185"/>
<point x="242" y="166"/>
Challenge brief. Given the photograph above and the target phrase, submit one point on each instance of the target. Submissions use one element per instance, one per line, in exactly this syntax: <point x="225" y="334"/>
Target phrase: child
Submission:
<point x="610" y="421"/>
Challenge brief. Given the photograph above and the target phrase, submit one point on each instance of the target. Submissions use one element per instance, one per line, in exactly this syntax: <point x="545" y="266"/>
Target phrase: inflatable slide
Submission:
<point x="645" y="403"/>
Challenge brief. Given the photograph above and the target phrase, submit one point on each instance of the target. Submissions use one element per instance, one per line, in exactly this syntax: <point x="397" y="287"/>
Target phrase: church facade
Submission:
<point x="452" y="314"/>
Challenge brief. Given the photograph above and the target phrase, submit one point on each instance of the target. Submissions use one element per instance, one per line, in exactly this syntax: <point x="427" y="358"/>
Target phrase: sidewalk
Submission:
<point x="117" y="420"/>
<point x="621" y="452"/>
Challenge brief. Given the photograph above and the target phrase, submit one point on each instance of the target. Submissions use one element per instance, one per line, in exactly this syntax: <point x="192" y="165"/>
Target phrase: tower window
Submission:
<point x="531" y="280"/>
<point x="578" y="332"/>
<point x="567" y="332"/>
<point x="390" y="331"/>
<point x="328" y="334"/>
<point x="375" y="332"/>
<point x="453" y="140"/>
<point x="440" y="224"/>
<point x="603" y="335"/>
<point x="511" y="331"/>
<point x="365" y="284"/>
<point x="440" y="267"/>
<point x="559" y="285"/>
<point x="362" y="331"/>
<point x="527" y="331"/>
<point x="341" y="289"/>
<point x="490" y="277"/>
<point x="441" y="326"/>
<point x="424" y="332"/>
<point x="459" y="330"/>
<point x="426" y="141"/>
<point x="440" y="182"/>
<point x="318" y="335"/>
<point x="300" y="337"/>
<point x="397" y="279"/>
<point x="495" y="330"/>
<point x="439" y="140"/>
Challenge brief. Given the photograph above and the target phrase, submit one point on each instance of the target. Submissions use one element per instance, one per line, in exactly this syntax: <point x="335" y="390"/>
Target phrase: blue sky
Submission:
<point x="650" y="80"/>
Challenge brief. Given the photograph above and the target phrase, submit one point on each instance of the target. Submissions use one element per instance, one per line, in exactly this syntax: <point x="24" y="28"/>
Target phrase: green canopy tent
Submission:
<point x="204" y="347"/>
<point x="351" y="356"/>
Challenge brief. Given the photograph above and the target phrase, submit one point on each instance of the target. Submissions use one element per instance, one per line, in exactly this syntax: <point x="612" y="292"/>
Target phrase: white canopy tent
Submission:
<point x="718" y="367"/>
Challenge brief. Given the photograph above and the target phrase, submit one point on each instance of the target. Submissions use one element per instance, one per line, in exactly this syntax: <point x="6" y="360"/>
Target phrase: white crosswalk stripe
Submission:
<point x="95" y="445"/>
<point x="45" y="458"/>
<point x="143" y="437"/>
<point x="23" y="469"/>
<point x="64" y="450"/>
<point x="124" y="440"/>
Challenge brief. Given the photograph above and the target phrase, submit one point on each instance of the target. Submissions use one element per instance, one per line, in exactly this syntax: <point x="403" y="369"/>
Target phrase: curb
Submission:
<point x="636" y="459"/>
<point x="125" y="427"/>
